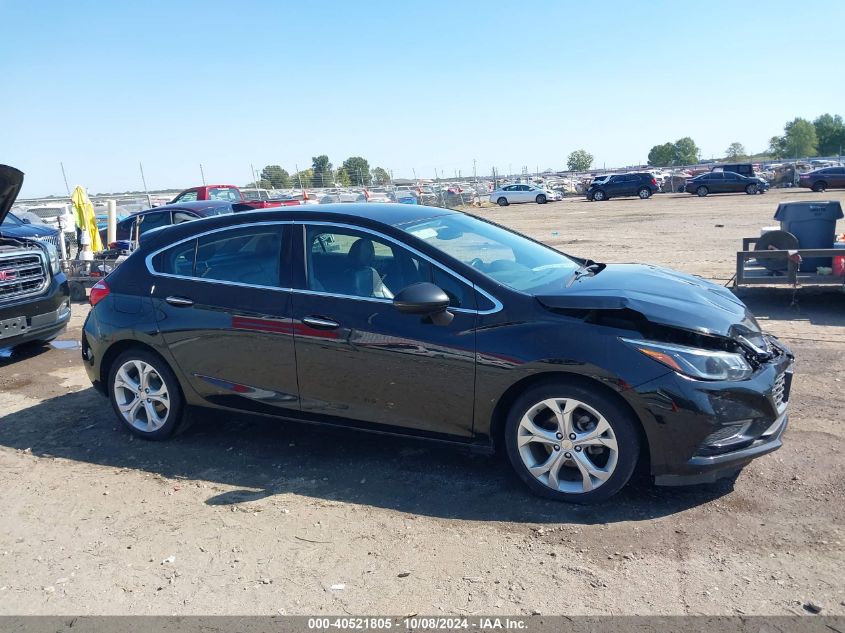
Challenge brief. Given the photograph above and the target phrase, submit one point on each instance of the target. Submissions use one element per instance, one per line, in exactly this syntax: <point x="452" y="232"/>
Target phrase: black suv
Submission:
<point x="743" y="169"/>
<point x="618" y="185"/>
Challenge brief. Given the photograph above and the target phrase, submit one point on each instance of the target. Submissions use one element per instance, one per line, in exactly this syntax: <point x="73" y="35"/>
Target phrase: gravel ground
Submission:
<point x="244" y="516"/>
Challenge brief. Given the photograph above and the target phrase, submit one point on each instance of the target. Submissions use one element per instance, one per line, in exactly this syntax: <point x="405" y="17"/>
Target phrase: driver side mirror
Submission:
<point x="425" y="299"/>
<point x="26" y="221"/>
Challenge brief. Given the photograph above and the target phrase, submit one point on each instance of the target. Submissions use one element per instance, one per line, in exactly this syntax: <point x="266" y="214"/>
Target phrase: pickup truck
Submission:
<point x="228" y="193"/>
<point x="34" y="293"/>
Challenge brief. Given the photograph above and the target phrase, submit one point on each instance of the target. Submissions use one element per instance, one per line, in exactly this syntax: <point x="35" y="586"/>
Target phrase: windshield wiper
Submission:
<point x="587" y="269"/>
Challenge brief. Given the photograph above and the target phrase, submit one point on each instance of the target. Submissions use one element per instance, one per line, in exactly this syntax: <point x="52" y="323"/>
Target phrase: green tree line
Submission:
<point x="354" y="171"/>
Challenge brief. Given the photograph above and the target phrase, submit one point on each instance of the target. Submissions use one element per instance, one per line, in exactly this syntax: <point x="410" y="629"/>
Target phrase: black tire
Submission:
<point x="541" y="199"/>
<point x="77" y="292"/>
<point x="751" y="189"/>
<point x="644" y="193"/>
<point x="702" y="191"/>
<point x="502" y="202"/>
<point x="819" y="186"/>
<point x="176" y="408"/>
<point x="618" y="417"/>
<point x="599" y="195"/>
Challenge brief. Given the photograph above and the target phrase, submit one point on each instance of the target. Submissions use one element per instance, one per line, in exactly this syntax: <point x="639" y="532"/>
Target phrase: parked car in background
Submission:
<point x="225" y="193"/>
<point x="642" y="185"/>
<point x="725" y="182"/>
<point x="34" y="292"/>
<point x="519" y="192"/>
<point x="52" y="215"/>
<point x="743" y="169"/>
<point x="821" y="179"/>
<point x="171" y="214"/>
<point x="422" y="321"/>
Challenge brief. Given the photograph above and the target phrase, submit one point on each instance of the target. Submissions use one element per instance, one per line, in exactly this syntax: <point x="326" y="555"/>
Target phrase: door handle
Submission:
<point x="180" y="302"/>
<point x="319" y="323"/>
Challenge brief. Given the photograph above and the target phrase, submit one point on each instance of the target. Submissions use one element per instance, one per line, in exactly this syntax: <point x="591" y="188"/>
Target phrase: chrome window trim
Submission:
<point x="497" y="305"/>
<point x="148" y="261"/>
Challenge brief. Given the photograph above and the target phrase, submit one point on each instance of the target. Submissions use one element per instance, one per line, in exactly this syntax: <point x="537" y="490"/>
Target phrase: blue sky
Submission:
<point x="102" y="86"/>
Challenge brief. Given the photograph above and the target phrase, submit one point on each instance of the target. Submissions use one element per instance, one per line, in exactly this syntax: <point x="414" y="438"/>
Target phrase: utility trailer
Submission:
<point x="82" y="274"/>
<point x="750" y="272"/>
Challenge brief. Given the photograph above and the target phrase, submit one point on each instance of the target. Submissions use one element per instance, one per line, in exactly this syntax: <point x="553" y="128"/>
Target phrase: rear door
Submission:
<point x="837" y="178"/>
<point x="732" y="183"/>
<point x="223" y="300"/>
<point x="716" y="182"/>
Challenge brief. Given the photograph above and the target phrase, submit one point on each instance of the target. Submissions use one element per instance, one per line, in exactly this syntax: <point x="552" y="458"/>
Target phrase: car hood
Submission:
<point x="11" y="180"/>
<point x="28" y="230"/>
<point x="663" y="296"/>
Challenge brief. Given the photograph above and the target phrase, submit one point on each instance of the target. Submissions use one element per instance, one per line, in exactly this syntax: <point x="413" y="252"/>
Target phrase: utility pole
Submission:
<point x="144" y="180"/>
<point x="64" y="175"/>
<point x="202" y="173"/>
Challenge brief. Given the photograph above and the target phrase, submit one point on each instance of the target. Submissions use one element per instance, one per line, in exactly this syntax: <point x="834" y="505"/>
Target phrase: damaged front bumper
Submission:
<point x="702" y="431"/>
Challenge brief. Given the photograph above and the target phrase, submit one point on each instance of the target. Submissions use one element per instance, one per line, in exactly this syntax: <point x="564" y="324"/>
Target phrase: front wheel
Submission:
<point x="702" y="191"/>
<point x="502" y="202"/>
<point x="644" y="193"/>
<point x="751" y="190"/>
<point x="145" y="394"/>
<point x="541" y="199"/>
<point x="598" y="195"/>
<point x="571" y="443"/>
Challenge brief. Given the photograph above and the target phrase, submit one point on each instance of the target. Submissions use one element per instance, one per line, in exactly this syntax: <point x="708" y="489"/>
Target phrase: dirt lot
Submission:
<point x="252" y="516"/>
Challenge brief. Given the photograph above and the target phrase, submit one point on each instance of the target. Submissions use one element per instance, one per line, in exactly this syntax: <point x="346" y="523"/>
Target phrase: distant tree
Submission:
<point x="322" y="171"/>
<point x="358" y="169"/>
<point x="686" y="151"/>
<point x="579" y="160"/>
<point x="661" y="155"/>
<point x="305" y="176"/>
<point x="380" y="176"/>
<point x="342" y="177"/>
<point x="276" y="176"/>
<point x="735" y="151"/>
<point x="830" y="132"/>
<point x="798" y="141"/>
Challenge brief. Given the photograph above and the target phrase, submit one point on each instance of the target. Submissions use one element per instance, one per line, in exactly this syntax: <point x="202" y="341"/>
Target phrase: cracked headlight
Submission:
<point x="704" y="364"/>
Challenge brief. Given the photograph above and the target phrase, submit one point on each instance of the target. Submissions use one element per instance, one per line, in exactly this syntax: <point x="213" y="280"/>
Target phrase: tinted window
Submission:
<point x="150" y="221"/>
<point x="189" y="196"/>
<point x="730" y="176"/>
<point x="247" y="256"/>
<point x="358" y="264"/>
<point x="182" y="216"/>
<point x="717" y="176"/>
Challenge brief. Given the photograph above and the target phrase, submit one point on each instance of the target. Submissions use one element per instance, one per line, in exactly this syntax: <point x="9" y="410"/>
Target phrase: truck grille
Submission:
<point x="50" y="239"/>
<point x="21" y="276"/>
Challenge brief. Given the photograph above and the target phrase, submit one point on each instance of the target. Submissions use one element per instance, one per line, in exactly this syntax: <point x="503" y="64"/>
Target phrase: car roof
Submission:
<point x="363" y="214"/>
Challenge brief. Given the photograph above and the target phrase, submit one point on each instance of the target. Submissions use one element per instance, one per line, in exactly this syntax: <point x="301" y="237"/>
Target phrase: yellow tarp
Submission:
<point x="86" y="219"/>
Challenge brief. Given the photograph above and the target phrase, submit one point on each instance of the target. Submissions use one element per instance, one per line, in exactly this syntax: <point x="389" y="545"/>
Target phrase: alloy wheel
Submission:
<point x="598" y="196"/>
<point x="141" y="396"/>
<point x="567" y="445"/>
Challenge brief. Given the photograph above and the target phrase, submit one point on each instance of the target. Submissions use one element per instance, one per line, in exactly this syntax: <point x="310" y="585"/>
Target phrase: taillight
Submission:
<point x="99" y="291"/>
<point x="654" y="182"/>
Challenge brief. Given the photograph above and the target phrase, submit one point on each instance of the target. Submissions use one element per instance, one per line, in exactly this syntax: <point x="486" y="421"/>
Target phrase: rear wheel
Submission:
<point x="571" y="443"/>
<point x="819" y="186"/>
<point x="644" y="193"/>
<point x="598" y="195"/>
<point x="541" y="199"/>
<point x="502" y="202"/>
<point x="702" y="191"/>
<point x="145" y="394"/>
<point x="751" y="189"/>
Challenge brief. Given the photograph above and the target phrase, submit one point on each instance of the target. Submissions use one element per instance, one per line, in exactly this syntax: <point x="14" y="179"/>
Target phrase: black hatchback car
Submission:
<point x="725" y="182"/>
<point x="620" y="185"/>
<point x="438" y="324"/>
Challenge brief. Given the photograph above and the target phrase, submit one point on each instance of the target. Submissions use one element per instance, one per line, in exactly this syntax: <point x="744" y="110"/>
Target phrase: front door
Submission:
<point x="224" y="311"/>
<point x="360" y="360"/>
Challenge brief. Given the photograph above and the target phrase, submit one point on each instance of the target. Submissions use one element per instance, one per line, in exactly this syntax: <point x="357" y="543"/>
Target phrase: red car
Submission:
<point x="226" y="193"/>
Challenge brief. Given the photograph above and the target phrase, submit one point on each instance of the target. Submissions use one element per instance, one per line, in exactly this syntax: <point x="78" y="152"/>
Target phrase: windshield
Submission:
<point x="11" y="220"/>
<point x="507" y="258"/>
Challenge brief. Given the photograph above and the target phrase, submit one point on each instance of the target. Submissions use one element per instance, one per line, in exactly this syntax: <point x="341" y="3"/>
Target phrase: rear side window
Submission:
<point x="249" y="256"/>
<point x="224" y="193"/>
<point x="150" y="221"/>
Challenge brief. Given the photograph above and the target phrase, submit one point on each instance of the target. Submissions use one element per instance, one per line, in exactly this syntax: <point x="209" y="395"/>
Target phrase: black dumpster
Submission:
<point x="814" y="224"/>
